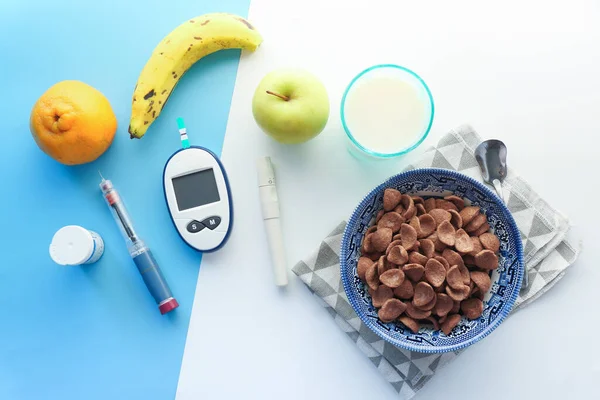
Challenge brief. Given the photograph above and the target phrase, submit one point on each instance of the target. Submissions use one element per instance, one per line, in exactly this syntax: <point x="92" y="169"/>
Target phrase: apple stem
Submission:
<point x="279" y="95"/>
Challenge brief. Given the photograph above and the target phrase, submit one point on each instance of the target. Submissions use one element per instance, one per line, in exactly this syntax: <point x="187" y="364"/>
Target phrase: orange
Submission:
<point x="73" y="123"/>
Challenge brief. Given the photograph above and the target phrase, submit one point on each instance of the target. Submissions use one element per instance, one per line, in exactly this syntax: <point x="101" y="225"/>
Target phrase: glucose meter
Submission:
<point x="198" y="196"/>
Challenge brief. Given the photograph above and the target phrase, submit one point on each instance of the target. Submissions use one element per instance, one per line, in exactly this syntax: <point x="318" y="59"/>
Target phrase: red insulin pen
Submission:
<point x="141" y="254"/>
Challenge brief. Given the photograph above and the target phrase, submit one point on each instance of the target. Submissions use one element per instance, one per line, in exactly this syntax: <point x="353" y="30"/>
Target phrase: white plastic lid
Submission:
<point x="71" y="245"/>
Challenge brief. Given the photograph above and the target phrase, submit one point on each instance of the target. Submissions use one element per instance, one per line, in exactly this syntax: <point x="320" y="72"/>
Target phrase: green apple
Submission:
<point x="291" y="105"/>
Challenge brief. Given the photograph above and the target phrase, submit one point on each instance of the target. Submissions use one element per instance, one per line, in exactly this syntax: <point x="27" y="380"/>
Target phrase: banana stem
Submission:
<point x="285" y="98"/>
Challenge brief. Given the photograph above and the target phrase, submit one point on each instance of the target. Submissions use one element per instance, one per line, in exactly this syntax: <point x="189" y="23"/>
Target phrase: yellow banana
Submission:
<point x="176" y="53"/>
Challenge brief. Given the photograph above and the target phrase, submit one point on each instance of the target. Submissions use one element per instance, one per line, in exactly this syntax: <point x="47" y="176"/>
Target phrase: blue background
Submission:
<point x="94" y="332"/>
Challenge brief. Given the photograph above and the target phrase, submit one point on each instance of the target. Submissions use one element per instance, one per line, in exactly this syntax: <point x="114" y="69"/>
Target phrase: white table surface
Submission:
<point x="527" y="72"/>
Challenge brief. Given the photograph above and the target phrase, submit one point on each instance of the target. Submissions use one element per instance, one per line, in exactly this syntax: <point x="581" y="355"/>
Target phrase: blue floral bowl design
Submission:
<point x="506" y="280"/>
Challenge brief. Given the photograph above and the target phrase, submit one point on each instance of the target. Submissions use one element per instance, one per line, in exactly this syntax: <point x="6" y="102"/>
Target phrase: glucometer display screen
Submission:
<point x="196" y="189"/>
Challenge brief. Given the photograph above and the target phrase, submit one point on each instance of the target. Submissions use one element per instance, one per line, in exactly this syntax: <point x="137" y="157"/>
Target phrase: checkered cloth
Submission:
<point x="549" y="249"/>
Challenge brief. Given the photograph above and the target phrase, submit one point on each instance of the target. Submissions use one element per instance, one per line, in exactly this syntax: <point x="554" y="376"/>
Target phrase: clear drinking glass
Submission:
<point x="387" y="110"/>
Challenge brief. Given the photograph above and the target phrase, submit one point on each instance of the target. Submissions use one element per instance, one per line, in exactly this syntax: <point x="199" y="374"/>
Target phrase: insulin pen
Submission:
<point x="141" y="254"/>
<point x="269" y="202"/>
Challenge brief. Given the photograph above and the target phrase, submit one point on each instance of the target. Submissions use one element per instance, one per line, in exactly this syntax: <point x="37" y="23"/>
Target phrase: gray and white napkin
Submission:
<point x="549" y="249"/>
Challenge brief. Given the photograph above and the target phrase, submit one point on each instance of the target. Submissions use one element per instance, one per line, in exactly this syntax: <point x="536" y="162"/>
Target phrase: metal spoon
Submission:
<point x="491" y="157"/>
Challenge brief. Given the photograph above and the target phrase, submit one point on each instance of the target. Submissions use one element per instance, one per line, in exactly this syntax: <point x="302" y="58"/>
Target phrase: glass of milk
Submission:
<point x="387" y="110"/>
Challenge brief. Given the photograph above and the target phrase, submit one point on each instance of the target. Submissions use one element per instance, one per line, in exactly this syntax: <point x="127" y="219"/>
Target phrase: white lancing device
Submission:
<point x="269" y="202"/>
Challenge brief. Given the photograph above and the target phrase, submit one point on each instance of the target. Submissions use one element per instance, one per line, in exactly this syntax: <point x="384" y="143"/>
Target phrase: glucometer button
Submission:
<point x="212" y="222"/>
<point x="195" y="226"/>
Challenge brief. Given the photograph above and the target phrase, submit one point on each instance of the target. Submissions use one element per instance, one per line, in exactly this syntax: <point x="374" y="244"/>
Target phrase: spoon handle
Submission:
<point x="498" y="186"/>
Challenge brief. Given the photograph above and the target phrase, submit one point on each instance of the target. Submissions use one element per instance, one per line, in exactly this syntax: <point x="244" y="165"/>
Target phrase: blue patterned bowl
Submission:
<point x="506" y="280"/>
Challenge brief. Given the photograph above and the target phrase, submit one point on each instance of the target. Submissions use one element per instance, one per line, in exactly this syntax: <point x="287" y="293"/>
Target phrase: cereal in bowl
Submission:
<point x="428" y="261"/>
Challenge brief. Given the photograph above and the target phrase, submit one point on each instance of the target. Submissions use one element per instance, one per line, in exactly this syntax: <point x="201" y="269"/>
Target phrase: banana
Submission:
<point x="176" y="53"/>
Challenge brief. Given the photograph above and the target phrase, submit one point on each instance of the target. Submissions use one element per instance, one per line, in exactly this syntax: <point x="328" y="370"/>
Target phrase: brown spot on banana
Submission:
<point x="149" y="94"/>
<point x="166" y="99"/>
<point x="205" y="22"/>
<point x="248" y="24"/>
<point x="153" y="114"/>
<point x="197" y="37"/>
<point x="145" y="122"/>
<point x="164" y="91"/>
<point x="192" y="21"/>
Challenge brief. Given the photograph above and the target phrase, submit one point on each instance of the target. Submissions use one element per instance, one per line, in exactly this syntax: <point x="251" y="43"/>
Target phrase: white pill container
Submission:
<point x="74" y="245"/>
